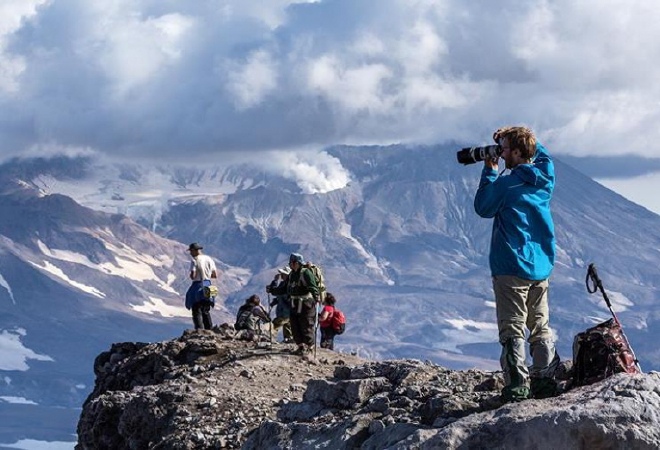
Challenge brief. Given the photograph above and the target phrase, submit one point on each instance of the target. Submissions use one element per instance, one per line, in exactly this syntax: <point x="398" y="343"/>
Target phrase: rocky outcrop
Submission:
<point x="205" y="389"/>
<point x="208" y="390"/>
<point x="408" y="404"/>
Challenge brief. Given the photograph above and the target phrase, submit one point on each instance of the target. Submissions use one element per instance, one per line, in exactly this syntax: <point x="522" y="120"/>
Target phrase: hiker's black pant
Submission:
<point x="201" y="315"/>
<point x="328" y="338"/>
<point x="303" y="317"/>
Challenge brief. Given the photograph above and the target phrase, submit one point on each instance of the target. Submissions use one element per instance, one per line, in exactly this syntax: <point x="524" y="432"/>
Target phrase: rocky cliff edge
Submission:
<point x="208" y="390"/>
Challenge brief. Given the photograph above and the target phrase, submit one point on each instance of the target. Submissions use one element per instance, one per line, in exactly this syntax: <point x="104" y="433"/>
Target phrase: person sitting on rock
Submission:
<point x="249" y="318"/>
<point x="282" y="305"/>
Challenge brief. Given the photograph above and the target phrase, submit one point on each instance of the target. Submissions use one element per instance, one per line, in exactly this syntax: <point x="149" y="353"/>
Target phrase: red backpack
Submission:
<point x="338" y="321"/>
<point x="602" y="350"/>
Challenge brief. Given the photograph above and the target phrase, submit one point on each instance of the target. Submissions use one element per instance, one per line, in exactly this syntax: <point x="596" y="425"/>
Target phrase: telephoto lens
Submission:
<point x="471" y="155"/>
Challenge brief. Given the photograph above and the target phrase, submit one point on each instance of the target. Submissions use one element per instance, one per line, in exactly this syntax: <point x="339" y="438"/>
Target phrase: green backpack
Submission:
<point x="318" y="276"/>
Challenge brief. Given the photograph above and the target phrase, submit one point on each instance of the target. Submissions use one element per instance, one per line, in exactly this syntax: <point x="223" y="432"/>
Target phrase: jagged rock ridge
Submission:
<point x="209" y="390"/>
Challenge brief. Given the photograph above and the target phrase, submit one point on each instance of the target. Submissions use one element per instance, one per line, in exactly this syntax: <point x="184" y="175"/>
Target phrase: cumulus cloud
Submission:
<point x="13" y="13"/>
<point x="249" y="83"/>
<point x="172" y="78"/>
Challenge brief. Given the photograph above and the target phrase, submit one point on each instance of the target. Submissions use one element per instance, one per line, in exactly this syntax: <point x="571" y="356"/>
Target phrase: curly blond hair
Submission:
<point x="521" y="138"/>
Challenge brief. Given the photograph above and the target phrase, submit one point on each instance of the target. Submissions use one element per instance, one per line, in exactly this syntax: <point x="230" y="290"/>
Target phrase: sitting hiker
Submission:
<point x="303" y="293"/>
<point x="326" y="323"/>
<point x="249" y="318"/>
<point x="282" y="305"/>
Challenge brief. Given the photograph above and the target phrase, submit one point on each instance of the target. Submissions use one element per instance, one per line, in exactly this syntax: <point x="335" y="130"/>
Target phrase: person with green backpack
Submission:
<point x="303" y="292"/>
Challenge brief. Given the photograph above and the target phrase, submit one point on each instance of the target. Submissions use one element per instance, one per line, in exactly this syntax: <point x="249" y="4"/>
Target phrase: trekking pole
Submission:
<point x="592" y="274"/>
<point x="316" y="324"/>
<point x="270" y="321"/>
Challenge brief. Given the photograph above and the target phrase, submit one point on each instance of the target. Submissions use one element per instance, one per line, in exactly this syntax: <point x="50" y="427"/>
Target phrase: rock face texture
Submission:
<point x="208" y="390"/>
<point x="205" y="389"/>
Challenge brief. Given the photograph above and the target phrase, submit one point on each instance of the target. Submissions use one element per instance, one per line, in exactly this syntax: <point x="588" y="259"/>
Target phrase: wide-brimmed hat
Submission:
<point x="286" y="270"/>
<point x="195" y="246"/>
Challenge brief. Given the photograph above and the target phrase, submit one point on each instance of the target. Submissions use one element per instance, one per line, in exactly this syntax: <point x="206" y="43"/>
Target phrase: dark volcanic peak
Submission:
<point x="207" y="390"/>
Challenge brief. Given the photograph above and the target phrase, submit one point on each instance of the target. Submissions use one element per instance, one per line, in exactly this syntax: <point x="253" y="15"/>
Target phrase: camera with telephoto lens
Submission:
<point x="471" y="155"/>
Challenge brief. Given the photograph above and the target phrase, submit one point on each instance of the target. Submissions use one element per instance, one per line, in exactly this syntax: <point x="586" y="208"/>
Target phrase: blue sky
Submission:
<point x="206" y="78"/>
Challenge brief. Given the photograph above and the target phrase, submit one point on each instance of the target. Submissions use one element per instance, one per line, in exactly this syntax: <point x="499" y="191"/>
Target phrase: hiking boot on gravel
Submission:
<point x="304" y="350"/>
<point x="300" y="350"/>
<point x="543" y="387"/>
<point x="515" y="394"/>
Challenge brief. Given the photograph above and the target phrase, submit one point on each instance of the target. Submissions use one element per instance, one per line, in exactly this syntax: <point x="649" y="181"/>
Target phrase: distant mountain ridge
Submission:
<point x="72" y="280"/>
<point x="400" y="244"/>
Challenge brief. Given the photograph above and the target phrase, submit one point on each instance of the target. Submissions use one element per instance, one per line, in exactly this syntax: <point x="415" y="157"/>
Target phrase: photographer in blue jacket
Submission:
<point x="522" y="256"/>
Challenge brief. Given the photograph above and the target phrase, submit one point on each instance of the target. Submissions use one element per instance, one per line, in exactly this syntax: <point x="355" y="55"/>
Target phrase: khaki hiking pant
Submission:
<point x="523" y="304"/>
<point x="285" y="324"/>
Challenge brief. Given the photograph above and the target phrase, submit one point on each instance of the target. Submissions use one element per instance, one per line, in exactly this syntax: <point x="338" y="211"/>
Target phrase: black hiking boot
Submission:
<point x="543" y="388"/>
<point x="300" y="350"/>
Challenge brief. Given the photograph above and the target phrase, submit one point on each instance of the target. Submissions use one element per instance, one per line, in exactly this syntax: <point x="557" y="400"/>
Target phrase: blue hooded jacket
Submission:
<point x="523" y="239"/>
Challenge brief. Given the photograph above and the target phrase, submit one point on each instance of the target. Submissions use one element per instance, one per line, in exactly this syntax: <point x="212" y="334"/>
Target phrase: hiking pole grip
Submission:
<point x="592" y="274"/>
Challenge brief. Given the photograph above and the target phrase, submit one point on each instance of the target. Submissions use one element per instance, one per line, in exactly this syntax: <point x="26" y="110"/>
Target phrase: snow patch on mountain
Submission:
<point x="34" y="444"/>
<point x="261" y="226"/>
<point x="158" y="306"/>
<point x="17" y="400"/>
<point x="7" y="287"/>
<point x="620" y="302"/>
<point x="65" y="255"/>
<point x="370" y="260"/>
<point x="13" y="354"/>
<point x="465" y="331"/>
<point x="130" y="264"/>
<point x="59" y="273"/>
<point x="138" y="266"/>
<point x="471" y="325"/>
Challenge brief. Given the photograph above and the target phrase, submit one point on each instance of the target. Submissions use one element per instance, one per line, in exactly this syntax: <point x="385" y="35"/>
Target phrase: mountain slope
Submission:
<point x="407" y="255"/>
<point x="71" y="281"/>
<point x="400" y="244"/>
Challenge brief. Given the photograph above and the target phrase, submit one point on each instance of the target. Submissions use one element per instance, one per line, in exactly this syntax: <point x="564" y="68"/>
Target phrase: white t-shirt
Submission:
<point x="202" y="267"/>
